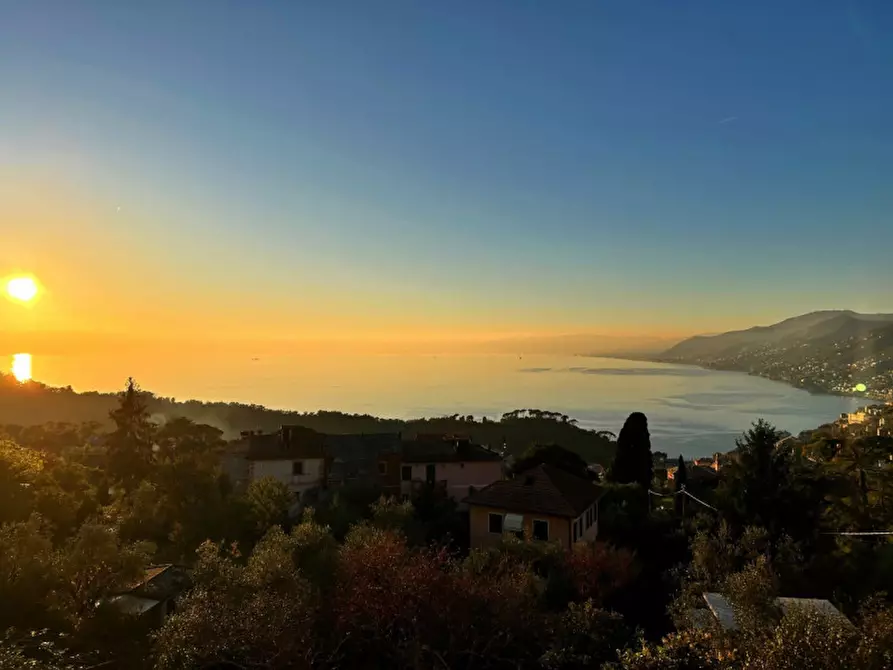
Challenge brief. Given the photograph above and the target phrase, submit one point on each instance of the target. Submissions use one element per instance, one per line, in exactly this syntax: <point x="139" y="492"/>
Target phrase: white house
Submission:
<point x="294" y="456"/>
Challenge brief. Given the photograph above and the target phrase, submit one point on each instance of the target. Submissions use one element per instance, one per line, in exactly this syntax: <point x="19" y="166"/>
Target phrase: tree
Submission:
<point x="552" y="454"/>
<point x="634" y="462"/>
<point x="587" y="637"/>
<point x="258" y="615"/>
<point x="130" y="444"/>
<point x="768" y="487"/>
<point x="269" y="502"/>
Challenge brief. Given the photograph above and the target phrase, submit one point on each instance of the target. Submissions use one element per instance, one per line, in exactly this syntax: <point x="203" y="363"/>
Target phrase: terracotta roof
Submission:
<point x="543" y="489"/>
<point x="446" y="450"/>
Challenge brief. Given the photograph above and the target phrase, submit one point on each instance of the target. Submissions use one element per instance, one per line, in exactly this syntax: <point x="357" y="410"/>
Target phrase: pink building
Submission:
<point x="455" y="464"/>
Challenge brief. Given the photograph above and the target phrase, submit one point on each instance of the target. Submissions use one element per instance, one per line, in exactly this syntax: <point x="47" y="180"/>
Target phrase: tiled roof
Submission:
<point x="446" y="450"/>
<point x="543" y="489"/>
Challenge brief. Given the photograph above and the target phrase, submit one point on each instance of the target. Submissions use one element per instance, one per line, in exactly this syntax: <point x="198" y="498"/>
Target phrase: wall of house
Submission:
<point x="587" y="525"/>
<point x="282" y="471"/>
<point x="459" y="477"/>
<point x="480" y="535"/>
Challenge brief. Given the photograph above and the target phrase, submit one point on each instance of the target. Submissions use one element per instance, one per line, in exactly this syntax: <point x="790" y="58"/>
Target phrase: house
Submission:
<point x="543" y="503"/>
<point x="294" y="456"/>
<point x="154" y="595"/>
<point x="454" y="463"/>
<point x="371" y="459"/>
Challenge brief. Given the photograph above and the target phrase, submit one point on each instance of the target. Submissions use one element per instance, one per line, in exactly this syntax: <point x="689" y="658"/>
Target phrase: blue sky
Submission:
<point x="450" y="166"/>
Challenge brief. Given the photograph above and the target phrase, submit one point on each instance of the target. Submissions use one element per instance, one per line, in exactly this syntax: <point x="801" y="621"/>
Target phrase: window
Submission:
<point x="574" y="526"/>
<point x="297" y="468"/>
<point x="430" y="473"/>
<point x="382" y="468"/>
<point x="514" y="523"/>
<point x="406" y="473"/>
<point x="496" y="523"/>
<point x="541" y="530"/>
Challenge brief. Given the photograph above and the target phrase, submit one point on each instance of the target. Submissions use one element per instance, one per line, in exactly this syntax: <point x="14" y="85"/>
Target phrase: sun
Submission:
<point x="23" y="289"/>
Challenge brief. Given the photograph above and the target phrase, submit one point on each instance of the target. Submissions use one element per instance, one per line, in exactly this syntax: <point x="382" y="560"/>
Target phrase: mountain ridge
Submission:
<point x="835" y="351"/>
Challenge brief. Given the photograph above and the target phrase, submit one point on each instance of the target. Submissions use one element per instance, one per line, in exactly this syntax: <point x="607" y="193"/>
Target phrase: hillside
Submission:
<point x="33" y="403"/>
<point x="832" y="351"/>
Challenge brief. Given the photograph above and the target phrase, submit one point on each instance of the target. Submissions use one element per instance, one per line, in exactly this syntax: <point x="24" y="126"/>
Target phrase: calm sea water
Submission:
<point x="690" y="411"/>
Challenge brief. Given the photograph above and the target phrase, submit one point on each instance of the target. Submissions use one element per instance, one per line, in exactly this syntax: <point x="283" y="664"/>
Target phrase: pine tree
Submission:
<point x="130" y="444"/>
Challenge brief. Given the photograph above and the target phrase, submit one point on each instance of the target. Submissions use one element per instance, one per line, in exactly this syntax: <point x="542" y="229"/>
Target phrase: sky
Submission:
<point x="441" y="171"/>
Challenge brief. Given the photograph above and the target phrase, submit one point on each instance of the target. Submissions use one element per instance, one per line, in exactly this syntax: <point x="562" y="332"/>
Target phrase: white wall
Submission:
<point x="282" y="471"/>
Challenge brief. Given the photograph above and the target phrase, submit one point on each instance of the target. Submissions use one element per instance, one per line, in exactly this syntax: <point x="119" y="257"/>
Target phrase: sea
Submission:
<point x="691" y="411"/>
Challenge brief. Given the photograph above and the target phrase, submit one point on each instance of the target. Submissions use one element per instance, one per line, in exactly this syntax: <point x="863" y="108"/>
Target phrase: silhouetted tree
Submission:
<point x="552" y="454"/>
<point x="633" y="463"/>
<point x="130" y="444"/>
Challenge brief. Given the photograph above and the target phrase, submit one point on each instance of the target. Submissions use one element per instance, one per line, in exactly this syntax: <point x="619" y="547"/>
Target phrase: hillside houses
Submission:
<point x="306" y="460"/>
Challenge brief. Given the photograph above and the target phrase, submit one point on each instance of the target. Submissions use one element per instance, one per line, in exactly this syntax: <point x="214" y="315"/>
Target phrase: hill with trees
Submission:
<point x="831" y="351"/>
<point x="35" y="404"/>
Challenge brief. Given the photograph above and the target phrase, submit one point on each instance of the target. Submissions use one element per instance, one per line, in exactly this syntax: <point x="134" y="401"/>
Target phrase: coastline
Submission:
<point x="811" y="390"/>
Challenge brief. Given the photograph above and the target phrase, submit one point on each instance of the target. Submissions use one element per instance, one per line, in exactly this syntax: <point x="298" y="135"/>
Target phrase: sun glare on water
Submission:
<point x="21" y="367"/>
<point x="23" y="289"/>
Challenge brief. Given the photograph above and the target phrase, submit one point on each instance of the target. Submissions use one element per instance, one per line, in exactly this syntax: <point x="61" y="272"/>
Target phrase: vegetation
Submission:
<point x="634" y="463"/>
<point x="46" y="417"/>
<point x="353" y="582"/>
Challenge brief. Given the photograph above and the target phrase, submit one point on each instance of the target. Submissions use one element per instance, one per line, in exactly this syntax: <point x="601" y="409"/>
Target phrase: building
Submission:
<point x="304" y="459"/>
<point x="154" y="595"/>
<point x="367" y="459"/>
<point x="543" y="503"/>
<point x="453" y="463"/>
<point x="856" y="417"/>
<point x="294" y="456"/>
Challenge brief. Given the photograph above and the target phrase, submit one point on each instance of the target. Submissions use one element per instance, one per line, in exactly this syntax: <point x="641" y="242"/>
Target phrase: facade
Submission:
<point x="543" y="503"/>
<point x="368" y="459"/>
<point x="293" y="456"/>
<point x="304" y="459"/>
<point x="454" y="464"/>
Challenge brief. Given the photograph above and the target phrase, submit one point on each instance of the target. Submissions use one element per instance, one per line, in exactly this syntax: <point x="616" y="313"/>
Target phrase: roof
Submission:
<point x="134" y="605"/>
<point x="724" y="612"/>
<point x="543" y="489"/>
<point x="159" y="582"/>
<point x="290" y="442"/>
<point x="818" y="605"/>
<point x="445" y="449"/>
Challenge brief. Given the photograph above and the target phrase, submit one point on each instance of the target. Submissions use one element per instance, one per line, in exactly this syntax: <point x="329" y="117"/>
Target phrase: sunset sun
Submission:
<point x="23" y="289"/>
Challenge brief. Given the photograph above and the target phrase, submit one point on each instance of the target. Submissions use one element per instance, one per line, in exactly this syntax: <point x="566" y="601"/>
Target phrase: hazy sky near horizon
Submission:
<point x="444" y="169"/>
